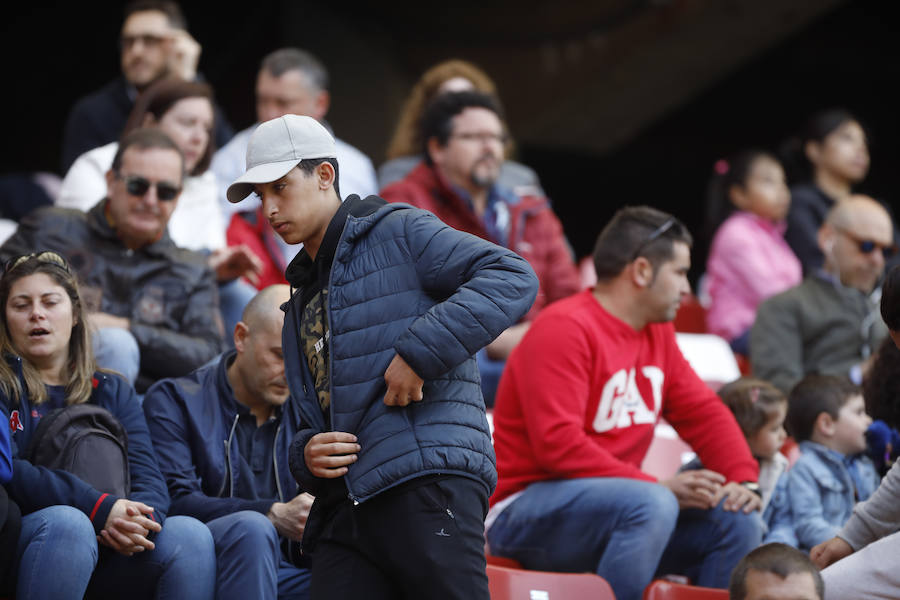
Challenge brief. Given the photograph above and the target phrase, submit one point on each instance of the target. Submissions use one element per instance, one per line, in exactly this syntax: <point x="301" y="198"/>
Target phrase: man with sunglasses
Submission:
<point x="575" y="414"/>
<point x="154" y="43"/>
<point x="829" y="324"/>
<point x="153" y="307"/>
<point x="465" y="140"/>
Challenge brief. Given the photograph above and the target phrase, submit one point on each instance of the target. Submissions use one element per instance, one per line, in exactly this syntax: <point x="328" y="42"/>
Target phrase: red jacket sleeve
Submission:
<point x="704" y="422"/>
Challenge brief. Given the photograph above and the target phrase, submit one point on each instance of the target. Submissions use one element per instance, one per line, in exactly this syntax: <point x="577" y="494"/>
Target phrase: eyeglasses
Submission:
<point x="482" y="137"/>
<point x="146" y="39"/>
<point x="867" y="246"/>
<point x="47" y="256"/>
<point x="654" y="235"/>
<point x="138" y="186"/>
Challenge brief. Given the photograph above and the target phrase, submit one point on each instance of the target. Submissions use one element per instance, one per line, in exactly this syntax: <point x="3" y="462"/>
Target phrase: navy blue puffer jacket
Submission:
<point x="402" y="282"/>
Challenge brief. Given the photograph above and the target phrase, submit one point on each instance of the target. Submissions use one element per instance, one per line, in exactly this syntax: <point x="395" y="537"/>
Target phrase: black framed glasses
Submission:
<point x="867" y="246"/>
<point x="137" y="185"/>
<point x="654" y="235"/>
<point x="47" y="256"/>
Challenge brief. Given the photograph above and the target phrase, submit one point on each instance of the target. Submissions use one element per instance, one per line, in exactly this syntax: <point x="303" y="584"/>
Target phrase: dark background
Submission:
<point x="55" y="52"/>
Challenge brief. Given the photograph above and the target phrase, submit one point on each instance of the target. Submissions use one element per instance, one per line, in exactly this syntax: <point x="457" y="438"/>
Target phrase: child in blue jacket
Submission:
<point x="827" y="416"/>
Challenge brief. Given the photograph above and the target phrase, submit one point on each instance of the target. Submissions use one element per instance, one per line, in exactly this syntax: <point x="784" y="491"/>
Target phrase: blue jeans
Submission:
<point x="250" y="563"/>
<point x="233" y="297"/>
<point x="59" y="558"/>
<point x="490" y="371"/>
<point x="117" y="350"/>
<point x="625" y="530"/>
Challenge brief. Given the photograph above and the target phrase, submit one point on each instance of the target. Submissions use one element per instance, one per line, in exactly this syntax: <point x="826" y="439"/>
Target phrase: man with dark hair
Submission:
<point x="154" y="43"/>
<point x="464" y="139"/>
<point x="828" y="324"/>
<point x="776" y="572"/>
<point x="390" y="305"/>
<point x="576" y="412"/>
<point x="243" y="490"/>
<point x="153" y="306"/>
<point x="292" y="81"/>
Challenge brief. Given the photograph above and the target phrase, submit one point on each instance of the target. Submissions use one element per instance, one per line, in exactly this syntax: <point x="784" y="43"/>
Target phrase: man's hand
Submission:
<point x="328" y="454"/>
<point x="184" y="55"/>
<point x="102" y="320"/>
<point x="403" y="385"/>
<point x="235" y="261"/>
<point x="829" y="552"/>
<point x="289" y="518"/>
<point x="695" y="489"/>
<point x="737" y="497"/>
<point x="127" y="527"/>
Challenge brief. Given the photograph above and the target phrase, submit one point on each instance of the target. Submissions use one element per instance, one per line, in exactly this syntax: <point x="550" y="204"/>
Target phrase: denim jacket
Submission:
<point x="818" y="497"/>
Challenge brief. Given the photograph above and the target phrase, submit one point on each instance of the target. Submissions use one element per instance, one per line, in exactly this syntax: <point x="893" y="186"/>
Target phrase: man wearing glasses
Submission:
<point x="154" y="43"/>
<point x="153" y="307"/>
<point x="457" y="181"/>
<point x="575" y="415"/>
<point x="829" y="323"/>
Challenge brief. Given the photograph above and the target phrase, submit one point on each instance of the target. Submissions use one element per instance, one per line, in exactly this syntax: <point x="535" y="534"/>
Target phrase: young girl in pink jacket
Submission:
<point x="749" y="260"/>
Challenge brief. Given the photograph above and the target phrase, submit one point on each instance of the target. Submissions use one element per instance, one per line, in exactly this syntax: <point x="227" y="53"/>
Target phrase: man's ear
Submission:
<point x="321" y="104"/>
<point x="110" y="178"/>
<point x="326" y="175"/>
<point x="435" y="151"/>
<point x="826" y="239"/>
<point x="241" y="331"/>
<point x="824" y="424"/>
<point x="641" y="272"/>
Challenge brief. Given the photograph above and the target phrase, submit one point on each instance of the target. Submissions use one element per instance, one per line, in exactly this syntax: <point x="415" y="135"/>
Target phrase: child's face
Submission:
<point x="850" y="427"/>
<point x="770" y="438"/>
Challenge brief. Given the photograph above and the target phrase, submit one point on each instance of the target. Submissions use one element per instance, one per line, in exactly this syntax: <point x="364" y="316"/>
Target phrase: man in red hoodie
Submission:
<point x="464" y="140"/>
<point x="575" y="414"/>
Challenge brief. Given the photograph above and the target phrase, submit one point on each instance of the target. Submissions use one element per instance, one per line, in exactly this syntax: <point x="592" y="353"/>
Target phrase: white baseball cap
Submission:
<point x="276" y="147"/>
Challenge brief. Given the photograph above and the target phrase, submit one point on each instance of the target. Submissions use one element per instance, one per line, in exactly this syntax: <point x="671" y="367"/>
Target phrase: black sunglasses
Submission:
<point x="138" y="186"/>
<point x="868" y="246"/>
<point x="654" y="235"/>
<point x="47" y="256"/>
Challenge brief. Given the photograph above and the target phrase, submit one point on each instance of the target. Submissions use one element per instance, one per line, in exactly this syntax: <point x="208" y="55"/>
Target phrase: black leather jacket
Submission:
<point x="168" y="293"/>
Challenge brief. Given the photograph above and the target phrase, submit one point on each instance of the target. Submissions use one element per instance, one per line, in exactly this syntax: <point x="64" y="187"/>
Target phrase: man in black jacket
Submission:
<point x="242" y="489"/>
<point x="153" y="307"/>
<point x="154" y="43"/>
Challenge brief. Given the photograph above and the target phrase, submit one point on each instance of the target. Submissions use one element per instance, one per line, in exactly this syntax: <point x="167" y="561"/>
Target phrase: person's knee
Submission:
<point x="249" y="530"/>
<point x="189" y="535"/>
<point x="739" y="529"/>
<point x="657" y="505"/>
<point x="117" y="349"/>
<point x="69" y="527"/>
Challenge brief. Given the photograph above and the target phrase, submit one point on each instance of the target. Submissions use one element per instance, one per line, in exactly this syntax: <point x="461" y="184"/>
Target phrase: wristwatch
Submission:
<point x="753" y="487"/>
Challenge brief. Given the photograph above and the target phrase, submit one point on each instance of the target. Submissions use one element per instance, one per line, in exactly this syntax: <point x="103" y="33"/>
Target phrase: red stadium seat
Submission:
<point x="666" y="590"/>
<point x="691" y="316"/>
<point x="516" y="584"/>
<point x="502" y="561"/>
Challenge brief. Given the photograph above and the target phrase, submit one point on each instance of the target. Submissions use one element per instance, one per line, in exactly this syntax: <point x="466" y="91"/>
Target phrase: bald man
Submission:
<point x="830" y="323"/>
<point x="221" y="436"/>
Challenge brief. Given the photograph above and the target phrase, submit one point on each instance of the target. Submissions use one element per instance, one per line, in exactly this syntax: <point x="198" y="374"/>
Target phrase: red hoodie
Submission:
<point x="582" y="392"/>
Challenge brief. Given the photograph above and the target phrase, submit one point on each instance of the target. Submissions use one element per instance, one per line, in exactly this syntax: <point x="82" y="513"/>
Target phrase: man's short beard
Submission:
<point x="483" y="181"/>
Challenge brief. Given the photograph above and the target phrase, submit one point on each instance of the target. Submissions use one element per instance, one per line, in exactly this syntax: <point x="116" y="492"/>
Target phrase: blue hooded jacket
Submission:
<point x="402" y="282"/>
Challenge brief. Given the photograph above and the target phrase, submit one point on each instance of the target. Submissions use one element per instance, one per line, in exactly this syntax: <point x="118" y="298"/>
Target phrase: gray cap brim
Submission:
<point x="243" y="185"/>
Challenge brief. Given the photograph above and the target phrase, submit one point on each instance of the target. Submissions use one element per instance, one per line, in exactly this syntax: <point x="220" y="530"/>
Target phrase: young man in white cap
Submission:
<point x="389" y="306"/>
